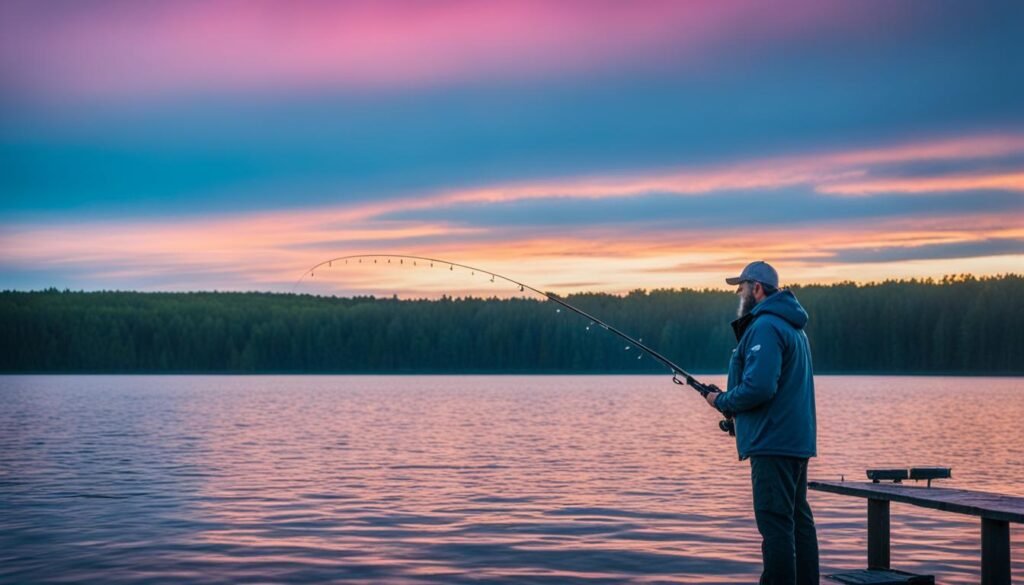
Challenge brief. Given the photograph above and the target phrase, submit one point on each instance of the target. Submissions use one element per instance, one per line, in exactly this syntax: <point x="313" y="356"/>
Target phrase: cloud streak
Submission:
<point x="669" y="228"/>
<point x="849" y="172"/>
<point x="987" y="247"/>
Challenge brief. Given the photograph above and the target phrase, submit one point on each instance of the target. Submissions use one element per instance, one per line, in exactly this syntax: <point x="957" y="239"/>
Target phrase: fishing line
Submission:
<point x="679" y="375"/>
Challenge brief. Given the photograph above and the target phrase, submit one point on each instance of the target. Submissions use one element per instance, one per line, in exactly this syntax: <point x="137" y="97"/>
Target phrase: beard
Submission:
<point x="747" y="302"/>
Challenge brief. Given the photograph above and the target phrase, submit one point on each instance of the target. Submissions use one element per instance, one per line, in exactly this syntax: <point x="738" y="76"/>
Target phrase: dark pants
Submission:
<point x="790" y="543"/>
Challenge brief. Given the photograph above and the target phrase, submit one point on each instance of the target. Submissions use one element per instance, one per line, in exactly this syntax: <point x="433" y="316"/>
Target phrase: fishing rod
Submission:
<point x="679" y="376"/>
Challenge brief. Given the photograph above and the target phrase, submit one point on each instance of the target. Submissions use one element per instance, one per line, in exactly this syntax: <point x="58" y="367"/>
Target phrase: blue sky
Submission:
<point x="421" y="129"/>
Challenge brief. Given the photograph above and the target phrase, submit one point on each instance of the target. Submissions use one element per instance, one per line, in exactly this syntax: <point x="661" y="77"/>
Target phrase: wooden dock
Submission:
<point x="996" y="511"/>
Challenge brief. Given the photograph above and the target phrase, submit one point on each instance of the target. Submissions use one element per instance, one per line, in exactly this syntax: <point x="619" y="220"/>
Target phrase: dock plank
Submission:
<point x="970" y="502"/>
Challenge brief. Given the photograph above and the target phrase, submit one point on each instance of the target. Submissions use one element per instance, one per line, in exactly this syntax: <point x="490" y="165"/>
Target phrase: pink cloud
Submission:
<point x="974" y="182"/>
<point x="835" y="173"/>
<point x="151" y="48"/>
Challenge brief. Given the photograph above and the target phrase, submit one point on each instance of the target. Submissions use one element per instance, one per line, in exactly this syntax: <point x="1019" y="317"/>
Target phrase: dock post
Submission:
<point x="878" y="534"/>
<point x="995" y="552"/>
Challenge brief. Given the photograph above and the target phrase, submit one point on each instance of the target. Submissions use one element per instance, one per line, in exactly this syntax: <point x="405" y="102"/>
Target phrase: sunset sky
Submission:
<point x="574" y="145"/>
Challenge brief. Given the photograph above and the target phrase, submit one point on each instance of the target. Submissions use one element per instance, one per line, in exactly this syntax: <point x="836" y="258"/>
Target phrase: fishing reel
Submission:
<point x="727" y="424"/>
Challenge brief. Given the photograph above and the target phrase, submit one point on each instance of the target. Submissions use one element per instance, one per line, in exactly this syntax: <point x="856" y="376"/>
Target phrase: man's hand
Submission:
<point x="710" y="397"/>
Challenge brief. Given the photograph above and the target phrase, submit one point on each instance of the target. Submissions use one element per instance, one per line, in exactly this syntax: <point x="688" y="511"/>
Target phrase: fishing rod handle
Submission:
<point x="692" y="382"/>
<point x="727" y="424"/>
<point x="711" y="389"/>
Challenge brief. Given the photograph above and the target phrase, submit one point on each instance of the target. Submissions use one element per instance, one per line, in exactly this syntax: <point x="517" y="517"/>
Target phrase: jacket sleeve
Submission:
<point x="761" y="370"/>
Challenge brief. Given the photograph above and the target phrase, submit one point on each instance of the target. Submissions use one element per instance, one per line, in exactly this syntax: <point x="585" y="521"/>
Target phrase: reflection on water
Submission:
<point x="457" y="479"/>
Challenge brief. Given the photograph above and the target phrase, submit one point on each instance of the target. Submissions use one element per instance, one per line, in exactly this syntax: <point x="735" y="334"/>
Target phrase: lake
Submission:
<point x="457" y="479"/>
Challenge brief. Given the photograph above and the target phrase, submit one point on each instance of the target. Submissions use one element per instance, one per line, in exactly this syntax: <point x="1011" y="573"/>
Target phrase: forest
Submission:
<point x="956" y="325"/>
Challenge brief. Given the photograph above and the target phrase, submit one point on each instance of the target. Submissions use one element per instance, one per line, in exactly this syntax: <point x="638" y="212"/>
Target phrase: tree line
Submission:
<point x="955" y="325"/>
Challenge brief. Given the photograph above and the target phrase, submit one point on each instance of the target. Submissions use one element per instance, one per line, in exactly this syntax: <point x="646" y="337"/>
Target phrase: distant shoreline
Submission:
<point x="966" y="326"/>
<point x="507" y="373"/>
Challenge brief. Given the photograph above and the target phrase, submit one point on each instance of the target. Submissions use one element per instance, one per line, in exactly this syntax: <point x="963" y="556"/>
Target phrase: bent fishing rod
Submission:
<point x="679" y="375"/>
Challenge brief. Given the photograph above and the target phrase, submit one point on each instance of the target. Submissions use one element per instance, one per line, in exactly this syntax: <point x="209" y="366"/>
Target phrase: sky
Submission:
<point x="573" y="145"/>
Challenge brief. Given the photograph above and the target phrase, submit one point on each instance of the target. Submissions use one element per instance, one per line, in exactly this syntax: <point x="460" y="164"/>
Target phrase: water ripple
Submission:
<point x="460" y="480"/>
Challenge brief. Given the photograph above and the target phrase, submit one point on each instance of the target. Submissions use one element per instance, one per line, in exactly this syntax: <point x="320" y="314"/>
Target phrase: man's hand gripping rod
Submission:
<point x="679" y="375"/>
<point x="726" y="424"/>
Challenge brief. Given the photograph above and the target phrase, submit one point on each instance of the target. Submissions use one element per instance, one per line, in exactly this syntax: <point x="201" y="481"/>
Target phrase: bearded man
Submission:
<point x="770" y="395"/>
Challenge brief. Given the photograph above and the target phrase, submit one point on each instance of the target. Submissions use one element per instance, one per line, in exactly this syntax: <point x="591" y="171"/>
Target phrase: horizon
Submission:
<point x="945" y="280"/>
<point x="584" y="147"/>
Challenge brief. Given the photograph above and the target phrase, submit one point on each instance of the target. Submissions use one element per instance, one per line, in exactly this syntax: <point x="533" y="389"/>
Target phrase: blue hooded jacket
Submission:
<point x="771" y="381"/>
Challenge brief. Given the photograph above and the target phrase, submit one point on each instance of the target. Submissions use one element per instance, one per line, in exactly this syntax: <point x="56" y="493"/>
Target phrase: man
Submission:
<point x="770" y="394"/>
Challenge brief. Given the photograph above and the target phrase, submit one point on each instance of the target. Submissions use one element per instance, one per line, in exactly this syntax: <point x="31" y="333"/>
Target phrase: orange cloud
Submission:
<point x="1005" y="182"/>
<point x="269" y="250"/>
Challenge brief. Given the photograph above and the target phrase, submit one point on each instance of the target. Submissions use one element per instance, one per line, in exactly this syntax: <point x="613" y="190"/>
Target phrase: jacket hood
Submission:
<point x="785" y="305"/>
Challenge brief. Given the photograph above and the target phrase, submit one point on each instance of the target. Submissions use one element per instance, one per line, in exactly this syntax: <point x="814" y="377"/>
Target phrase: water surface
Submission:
<point x="444" y="479"/>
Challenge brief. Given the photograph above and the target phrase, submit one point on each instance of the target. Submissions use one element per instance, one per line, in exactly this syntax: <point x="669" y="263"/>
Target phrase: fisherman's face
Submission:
<point x="747" y="299"/>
